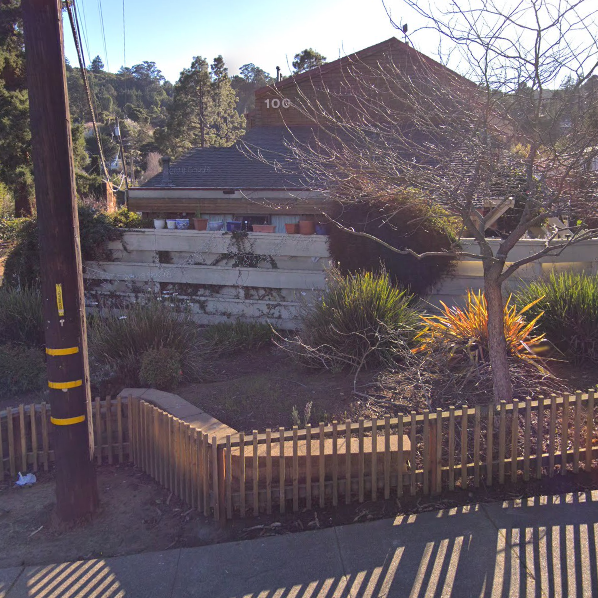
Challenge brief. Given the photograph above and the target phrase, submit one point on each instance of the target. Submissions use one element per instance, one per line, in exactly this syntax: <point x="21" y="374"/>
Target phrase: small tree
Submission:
<point x="518" y="125"/>
<point x="307" y="59"/>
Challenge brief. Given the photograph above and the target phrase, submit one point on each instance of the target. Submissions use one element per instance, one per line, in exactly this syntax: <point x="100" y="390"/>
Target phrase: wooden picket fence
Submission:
<point x="26" y="435"/>
<point x="325" y="465"/>
<point x="341" y="463"/>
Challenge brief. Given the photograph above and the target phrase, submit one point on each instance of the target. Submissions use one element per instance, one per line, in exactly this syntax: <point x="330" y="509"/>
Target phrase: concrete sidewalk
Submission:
<point x="546" y="546"/>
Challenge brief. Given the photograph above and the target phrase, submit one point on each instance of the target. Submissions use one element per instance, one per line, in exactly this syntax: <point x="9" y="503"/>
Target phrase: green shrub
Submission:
<point x="22" y="369"/>
<point x="406" y="221"/>
<point x="161" y="369"/>
<point x="570" y="305"/>
<point x="361" y="320"/>
<point x="117" y="343"/>
<point x="226" y="338"/>
<point x="96" y="229"/>
<point x="21" y="319"/>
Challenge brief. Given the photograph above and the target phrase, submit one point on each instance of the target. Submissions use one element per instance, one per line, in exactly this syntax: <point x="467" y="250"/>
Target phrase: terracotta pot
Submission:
<point x="200" y="223"/>
<point x="264" y="228"/>
<point x="292" y="229"/>
<point x="307" y="227"/>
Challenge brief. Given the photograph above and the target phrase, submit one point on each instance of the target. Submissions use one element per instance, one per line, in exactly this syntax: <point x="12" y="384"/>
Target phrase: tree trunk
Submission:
<point x="22" y="200"/>
<point x="497" y="344"/>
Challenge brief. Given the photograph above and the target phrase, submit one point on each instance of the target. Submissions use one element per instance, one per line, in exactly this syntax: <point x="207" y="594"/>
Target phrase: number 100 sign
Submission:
<point x="276" y="103"/>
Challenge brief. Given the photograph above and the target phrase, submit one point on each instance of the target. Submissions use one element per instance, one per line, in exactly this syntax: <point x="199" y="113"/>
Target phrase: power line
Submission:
<point x="85" y="36"/>
<point x="103" y="34"/>
<point x="76" y="36"/>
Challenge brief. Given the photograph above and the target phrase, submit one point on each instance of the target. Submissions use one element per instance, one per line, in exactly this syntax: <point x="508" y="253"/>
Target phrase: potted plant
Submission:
<point x="159" y="221"/>
<point x="292" y="229"/>
<point x="307" y="227"/>
<point x="264" y="228"/>
<point x="233" y="225"/>
<point x="200" y="223"/>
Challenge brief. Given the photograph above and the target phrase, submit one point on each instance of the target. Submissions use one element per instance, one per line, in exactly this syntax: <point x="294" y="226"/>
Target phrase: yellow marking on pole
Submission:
<point x="58" y="352"/>
<point x="67" y="421"/>
<point x="65" y="385"/>
<point x="59" y="301"/>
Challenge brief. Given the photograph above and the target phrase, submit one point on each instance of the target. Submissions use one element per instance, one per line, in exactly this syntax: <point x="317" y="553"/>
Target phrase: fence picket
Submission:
<point x="438" y="456"/>
<point x="386" y="457"/>
<point x="501" y="442"/>
<point x="256" y="495"/>
<point x="308" y="466"/>
<point x="413" y="437"/>
<point x="33" y="425"/>
<point x="564" y="434"/>
<point x="576" y="431"/>
<point x="295" y="470"/>
<point x="361" y="463"/>
<point x="401" y="457"/>
<point x="589" y="430"/>
<point x="242" y="480"/>
<point x="476" y="445"/>
<point x="119" y="427"/>
<point x="206" y="474"/>
<point x="130" y="429"/>
<point x="514" y="440"/>
<point x="334" y="463"/>
<point x="98" y="431"/>
<point x="374" y="461"/>
<point x="215" y="480"/>
<point x="195" y="493"/>
<point x="282" y="471"/>
<point x="540" y="437"/>
<point x="451" y="448"/>
<point x="527" y="438"/>
<point x="23" y="435"/>
<point x="464" y="443"/>
<point x="108" y="411"/>
<point x="322" y="466"/>
<point x="426" y="450"/>
<point x="347" y="462"/>
<point x="269" y="471"/>
<point x="490" y="445"/>
<point x="229" y="478"/>
<point x="552" y="436"/>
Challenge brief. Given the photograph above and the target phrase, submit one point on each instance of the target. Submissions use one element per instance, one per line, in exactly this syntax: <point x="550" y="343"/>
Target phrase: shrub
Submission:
<point x="96" y="229"/>
<point x="361" y="320"/>
<point x="161" y="369"/>
<point x="117" y="343"/>
<point x="238" y="336"/>
<point x="22" y="369"/>
<point x="21" y="319"/>
<point x="462" y="334"/>
<point x="570" y="305"/>
<point x="402" y="222"/>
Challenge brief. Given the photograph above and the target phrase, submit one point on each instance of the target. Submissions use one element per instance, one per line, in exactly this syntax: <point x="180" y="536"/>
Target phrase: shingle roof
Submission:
<point x="234" y="168"/>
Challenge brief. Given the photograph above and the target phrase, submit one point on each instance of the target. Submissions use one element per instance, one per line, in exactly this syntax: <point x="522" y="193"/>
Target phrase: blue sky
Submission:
<point x="265" y="32"/>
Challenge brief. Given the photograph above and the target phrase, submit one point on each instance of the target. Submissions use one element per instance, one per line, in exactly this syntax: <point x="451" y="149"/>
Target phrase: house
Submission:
<point x="230" y="184"/>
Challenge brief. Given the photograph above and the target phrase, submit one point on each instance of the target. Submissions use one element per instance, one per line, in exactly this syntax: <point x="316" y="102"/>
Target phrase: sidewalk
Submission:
<point x="546" y="546"/>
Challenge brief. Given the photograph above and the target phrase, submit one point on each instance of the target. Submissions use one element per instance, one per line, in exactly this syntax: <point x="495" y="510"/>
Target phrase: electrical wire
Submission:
<point x="103" y="33"/>
<point x="77" y="39"/>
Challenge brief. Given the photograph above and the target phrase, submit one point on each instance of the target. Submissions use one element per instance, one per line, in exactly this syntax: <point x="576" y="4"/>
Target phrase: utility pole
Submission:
<point x="60" y="254"/>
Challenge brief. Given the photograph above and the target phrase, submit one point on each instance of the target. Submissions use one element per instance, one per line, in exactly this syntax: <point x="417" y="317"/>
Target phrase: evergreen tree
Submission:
<point x="306" y="60"/>
<point x="15" y="137"/>
<point x="251" y="78"/>
<point x="203" y="110"/>
<point x="97" y="66"/>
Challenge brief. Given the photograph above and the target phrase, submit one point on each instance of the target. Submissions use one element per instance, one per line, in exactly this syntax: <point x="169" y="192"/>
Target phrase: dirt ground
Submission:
<point x="136" y="516"/>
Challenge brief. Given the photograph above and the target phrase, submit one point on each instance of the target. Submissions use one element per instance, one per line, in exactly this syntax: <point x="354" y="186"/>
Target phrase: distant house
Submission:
<point x="227" y="183"/>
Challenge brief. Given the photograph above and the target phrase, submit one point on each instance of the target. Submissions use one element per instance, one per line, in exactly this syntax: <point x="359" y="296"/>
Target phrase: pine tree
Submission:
<point x="15" y="137"/>
<point x="97" y="66"/>
<point x="307" y="59"/>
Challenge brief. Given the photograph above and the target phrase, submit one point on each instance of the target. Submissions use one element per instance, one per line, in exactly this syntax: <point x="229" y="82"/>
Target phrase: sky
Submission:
<point x="267" y="33"/>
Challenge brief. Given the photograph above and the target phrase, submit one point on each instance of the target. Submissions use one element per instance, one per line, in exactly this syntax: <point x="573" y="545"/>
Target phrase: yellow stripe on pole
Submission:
<point x="58" y="352"/>
<point x="65" y="385"/>
<point x="67" y="421"/>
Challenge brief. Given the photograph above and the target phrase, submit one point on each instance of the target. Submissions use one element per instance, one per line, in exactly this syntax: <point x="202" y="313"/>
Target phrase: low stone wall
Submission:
<point x="222" y="276"/>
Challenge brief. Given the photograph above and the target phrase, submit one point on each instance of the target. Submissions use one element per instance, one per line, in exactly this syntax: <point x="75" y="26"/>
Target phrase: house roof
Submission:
<point x="236" y="168"/>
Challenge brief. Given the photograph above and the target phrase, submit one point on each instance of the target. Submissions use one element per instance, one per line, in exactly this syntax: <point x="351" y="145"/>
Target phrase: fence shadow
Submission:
<point x="541" y="547"/>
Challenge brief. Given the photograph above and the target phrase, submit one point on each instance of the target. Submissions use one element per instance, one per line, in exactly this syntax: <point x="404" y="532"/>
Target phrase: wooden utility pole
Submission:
<point x="60" y="254"/>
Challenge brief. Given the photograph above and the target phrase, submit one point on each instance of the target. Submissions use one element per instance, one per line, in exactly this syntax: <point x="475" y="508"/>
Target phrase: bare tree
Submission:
<point x="519" y="127"/>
